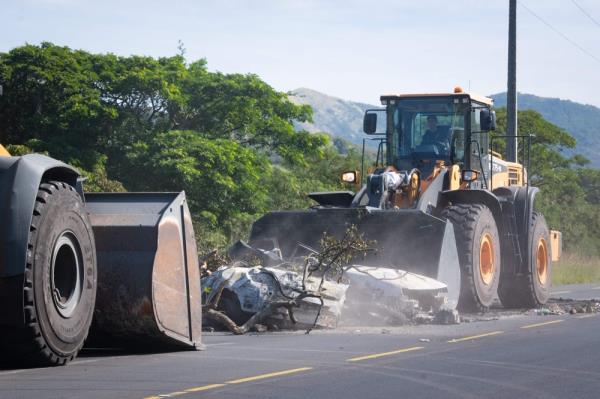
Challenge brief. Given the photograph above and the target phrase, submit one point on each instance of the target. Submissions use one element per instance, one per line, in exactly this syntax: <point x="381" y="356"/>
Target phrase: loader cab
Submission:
<point x="422" y="129"/>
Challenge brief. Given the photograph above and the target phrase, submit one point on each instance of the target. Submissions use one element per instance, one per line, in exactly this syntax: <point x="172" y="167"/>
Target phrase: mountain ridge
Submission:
<point x="343" y="118"/>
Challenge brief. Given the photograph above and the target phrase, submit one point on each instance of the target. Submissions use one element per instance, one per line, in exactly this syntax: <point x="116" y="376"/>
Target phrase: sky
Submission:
<point x="356" y="50"/>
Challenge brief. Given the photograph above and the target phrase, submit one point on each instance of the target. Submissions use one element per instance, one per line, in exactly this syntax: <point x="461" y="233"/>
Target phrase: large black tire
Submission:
<point x="60" y="280"/>
<point x="532" y="288"/>
<point x="478" y="245"/>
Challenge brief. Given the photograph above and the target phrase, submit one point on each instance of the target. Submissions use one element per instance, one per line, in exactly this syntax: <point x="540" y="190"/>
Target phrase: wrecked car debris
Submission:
<point x="246" y="291"/>
<point x="318" y="289"/>
<point x="371" y="295"/>
<point x="380" y="295"/>
<point x="562" y="306"/>
<point x="290" y="295"/>
<point x="277" y="289"/>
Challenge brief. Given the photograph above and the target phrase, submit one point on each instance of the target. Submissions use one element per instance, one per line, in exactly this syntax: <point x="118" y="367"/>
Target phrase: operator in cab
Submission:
<point x="435" y="134"/>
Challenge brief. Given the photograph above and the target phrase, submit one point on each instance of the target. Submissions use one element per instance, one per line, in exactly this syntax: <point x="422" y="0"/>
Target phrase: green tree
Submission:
<point x="223" y="180"/>
<point x="548" y="143"/>
<point x="49" y="97"/>
<point x="245" y="109"/>
<point x="568" y="192"/>
<point x="290" y="183"/>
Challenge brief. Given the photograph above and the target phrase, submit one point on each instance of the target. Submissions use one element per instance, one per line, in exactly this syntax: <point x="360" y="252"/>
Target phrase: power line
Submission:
<point x="587" y="14"/>
<point x="567" y="38"/>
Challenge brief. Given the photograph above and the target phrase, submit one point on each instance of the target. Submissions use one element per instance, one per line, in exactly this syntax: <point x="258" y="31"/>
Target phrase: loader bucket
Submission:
<point x="405" y="239"/>
<point x="148" y="276"/>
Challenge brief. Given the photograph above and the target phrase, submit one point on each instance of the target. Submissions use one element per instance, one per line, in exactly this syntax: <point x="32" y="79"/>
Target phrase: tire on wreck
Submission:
<point x="478" y="245"/>
<point x="60" y="281"/>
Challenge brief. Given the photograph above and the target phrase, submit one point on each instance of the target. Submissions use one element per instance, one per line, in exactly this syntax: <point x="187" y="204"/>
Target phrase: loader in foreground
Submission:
<point x="440" y="202"/>
<point x="123" y="263"/>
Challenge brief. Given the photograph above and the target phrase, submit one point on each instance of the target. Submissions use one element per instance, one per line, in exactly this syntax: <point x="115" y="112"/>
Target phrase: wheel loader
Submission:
<point x="121" y="266"/>
<point x="440" y="202"/>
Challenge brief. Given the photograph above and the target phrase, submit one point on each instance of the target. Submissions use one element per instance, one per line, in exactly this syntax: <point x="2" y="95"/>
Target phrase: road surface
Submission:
<point x="514" y="356"/>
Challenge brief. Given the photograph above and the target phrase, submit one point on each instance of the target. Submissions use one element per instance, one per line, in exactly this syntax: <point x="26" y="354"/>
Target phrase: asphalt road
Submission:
<point x="578" y="291"/>
<point x="513" y="356"/>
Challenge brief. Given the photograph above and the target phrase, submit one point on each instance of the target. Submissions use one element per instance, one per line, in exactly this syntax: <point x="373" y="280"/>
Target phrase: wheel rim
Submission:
<point x="66" y="275"/>
<point x="486" y="259"/>
<point x="542" y="261"/>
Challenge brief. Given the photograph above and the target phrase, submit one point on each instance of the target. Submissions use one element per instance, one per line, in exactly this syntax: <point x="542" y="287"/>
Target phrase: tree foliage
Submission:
<point x="161" y="124"/>
<point x="147" y="124"/>
<point x="569" y="192"/>
<point x="222" y="178"/>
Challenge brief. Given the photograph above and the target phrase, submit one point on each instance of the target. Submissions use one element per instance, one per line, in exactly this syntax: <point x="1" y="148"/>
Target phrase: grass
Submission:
<point x="576" y="269"/>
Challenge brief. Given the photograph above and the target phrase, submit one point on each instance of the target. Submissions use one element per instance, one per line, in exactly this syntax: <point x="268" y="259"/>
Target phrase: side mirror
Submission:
<point x="487" y="119"/>
<point x="370" y="123"/>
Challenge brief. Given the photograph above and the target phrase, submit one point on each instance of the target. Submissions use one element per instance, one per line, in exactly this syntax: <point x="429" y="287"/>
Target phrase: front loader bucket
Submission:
<point x="148" y="276"/>
<point x="405" y="239"/>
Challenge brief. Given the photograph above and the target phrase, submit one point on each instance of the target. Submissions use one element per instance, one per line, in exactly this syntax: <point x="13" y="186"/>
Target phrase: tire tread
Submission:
<point x="26" y="345"/>
<point x="464" y="218"/>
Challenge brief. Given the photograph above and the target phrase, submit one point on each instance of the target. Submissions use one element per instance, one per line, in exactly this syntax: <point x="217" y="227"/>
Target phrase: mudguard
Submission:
<point x="473" y="197"/>
<point x="523" y="199"/>
<point x="20" y="178"/>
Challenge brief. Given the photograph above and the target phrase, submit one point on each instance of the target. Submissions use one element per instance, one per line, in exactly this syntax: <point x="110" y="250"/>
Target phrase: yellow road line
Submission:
<point x="269" y="375"/>
<point x="239" y="381"/>
<point x="542" y="324"/>
<point x="475" y="337"/>
<point x="166" y="395"/>
<point x="204" y="387"/>
<point x="376" y="355"/>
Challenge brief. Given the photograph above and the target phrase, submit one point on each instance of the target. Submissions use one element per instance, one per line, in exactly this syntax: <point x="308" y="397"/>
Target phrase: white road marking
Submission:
<point x="586" y="316"/>
<point x="560" y="292"/>
<point x="11" y="372"/>
<point x="88" y="361"/>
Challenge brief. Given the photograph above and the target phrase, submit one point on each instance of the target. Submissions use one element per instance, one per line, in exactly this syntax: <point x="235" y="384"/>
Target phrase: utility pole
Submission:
<point x="511" y="92"/>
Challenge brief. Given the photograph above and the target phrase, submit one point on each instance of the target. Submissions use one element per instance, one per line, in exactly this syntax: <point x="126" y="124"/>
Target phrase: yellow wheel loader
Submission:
<point x="123" y="263"/>
<point x="441" y="203"/>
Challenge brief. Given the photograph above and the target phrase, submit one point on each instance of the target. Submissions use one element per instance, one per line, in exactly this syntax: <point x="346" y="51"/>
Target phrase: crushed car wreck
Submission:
<point x="385" y="296"/>
<point x="248" y="290"/>
<point x="260" y="289"/>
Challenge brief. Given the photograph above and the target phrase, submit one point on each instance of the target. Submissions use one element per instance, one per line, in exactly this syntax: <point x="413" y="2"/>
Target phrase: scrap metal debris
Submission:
<point x="279" y="296"/>
<point x="562" y="306"/>
<point x="394" y="297"/>
<point x="286" y="295"/>
<point x="259" y="291"/>
<point x="261" y="287"/>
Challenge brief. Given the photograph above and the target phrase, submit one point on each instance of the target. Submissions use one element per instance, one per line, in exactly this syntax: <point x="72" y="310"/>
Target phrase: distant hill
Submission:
<point x="343" y="118"/>
<point x="580" y="120"/>
<point x="332" y="115"/>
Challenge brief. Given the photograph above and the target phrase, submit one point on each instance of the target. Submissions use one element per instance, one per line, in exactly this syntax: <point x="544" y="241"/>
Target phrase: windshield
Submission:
<point x="424" y="129"/>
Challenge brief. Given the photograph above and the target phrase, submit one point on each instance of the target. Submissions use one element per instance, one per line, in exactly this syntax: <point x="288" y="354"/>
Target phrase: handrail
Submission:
<point x="381" y="140"/>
